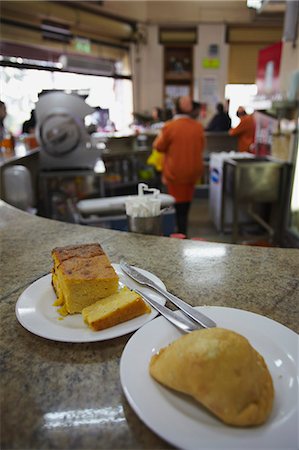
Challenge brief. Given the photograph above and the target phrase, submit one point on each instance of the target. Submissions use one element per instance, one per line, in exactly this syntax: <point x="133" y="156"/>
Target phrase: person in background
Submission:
<point x="157" y="120"/>
<point x="3" y="114"/>
<point x="156" y="158"/>
<point x="28" y="126"/>
<point x="182" y="141"/>
<point x="157" y="114"/>
<point x="168" y="115"/>
<point x="221" y="120"/>
<point x="7" y="140"/>
<point x="195" y="113"/>
<point x="245" y="131"/>
<point x="28" y="129"/>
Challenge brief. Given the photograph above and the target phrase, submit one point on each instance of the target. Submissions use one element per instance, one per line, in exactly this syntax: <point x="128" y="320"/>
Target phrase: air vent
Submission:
<point x="56" y="32"/>
<point x="89" y="66"/>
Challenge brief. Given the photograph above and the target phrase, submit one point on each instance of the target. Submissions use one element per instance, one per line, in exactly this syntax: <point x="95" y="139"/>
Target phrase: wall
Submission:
<point x="205" y="79"/>
<point x="245" y="44"/>
<point x="147" y="70"/>
<point x="147" y="64"/>
<point x="289" y="63"/>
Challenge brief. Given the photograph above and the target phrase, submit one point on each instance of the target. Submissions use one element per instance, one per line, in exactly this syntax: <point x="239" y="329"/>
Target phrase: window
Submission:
<point x="20" y="89"/>
<point x="239" y="95"/>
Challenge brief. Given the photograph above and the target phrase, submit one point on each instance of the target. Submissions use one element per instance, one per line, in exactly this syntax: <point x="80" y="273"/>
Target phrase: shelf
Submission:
<point x="284" y="104"/>
<point x="279" y="109"/>
<point x="173" y="76"/>
<point x="178" y="72"/>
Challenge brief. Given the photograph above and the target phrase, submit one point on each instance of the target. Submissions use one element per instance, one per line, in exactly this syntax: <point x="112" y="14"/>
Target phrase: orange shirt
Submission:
<point x="182" y="142"/>
<point x="245" y="132"/>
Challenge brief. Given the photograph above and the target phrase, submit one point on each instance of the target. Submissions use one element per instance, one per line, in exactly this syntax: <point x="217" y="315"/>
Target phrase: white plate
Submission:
<point x="35" y="311"/>
<point x="180" y="420"/>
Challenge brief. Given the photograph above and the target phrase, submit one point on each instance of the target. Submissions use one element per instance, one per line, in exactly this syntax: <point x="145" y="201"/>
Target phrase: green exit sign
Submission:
<point x="82" y="45"/>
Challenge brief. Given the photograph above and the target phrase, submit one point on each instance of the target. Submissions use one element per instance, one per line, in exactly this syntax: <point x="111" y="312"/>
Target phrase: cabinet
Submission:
<point x="289" y="110"/>
<point x="255" y="185"/>
<point x="178" y="73"/>
<point x="60" y="190"/>
<point x="283" y="145"/>
<point x="274" y="129"/>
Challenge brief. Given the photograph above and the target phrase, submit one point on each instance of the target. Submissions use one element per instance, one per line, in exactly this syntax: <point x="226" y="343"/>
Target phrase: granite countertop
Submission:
<point x="68" y="396"/>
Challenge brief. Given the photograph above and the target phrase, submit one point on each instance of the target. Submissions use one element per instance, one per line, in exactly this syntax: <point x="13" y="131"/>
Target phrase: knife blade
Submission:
<point x="192" y="313"/>
<point x="180" y="322"/>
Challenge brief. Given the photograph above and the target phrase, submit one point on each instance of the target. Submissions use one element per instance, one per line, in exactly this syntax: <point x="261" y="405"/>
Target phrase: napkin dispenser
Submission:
<point x="144" y="211"/>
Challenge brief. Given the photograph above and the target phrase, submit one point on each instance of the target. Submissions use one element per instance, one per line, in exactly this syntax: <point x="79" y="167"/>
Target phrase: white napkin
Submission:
<point x="142" y="205"/>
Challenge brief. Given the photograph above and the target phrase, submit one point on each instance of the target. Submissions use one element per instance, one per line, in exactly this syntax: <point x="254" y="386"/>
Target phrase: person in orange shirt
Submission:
<point x="182" y="142"/>
<point x="245" y="130"/>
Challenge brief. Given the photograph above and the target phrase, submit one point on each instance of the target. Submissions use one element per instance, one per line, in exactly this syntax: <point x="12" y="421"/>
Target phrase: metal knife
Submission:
<point x="180" y="322"/>
<point x="195" y="315"/>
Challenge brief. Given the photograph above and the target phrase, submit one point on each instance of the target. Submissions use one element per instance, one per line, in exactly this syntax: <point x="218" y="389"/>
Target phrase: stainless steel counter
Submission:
<point x="46" y="385"/>
<point x="17" y="155"/>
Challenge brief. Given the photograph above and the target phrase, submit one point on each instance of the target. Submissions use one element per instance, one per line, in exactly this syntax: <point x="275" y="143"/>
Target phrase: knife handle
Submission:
<point x="194" y="314"/>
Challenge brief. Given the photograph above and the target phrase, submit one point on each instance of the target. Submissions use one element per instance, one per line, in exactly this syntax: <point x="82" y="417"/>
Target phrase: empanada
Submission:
<point x="222" y="371"/>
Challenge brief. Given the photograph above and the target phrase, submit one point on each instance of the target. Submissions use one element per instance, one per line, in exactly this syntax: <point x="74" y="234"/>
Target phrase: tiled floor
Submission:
<point x="201" y="226"/>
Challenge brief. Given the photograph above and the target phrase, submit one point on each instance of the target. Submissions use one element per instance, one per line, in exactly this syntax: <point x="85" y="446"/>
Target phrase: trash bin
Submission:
<point x="145" y="225"/>
<point x="217" y="161"/>
<point x="254" y="183"/>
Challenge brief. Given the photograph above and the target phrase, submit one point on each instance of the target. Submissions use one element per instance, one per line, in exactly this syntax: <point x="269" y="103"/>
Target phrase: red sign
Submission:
<point x="268" y="70"/>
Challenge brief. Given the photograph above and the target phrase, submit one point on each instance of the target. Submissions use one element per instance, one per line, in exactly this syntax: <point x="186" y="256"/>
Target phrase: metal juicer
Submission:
<point x="61" y="133"/>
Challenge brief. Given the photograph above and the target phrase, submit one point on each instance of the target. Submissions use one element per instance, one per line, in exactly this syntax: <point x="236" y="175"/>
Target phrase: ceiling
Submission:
<point x="110" y="25"/>
<point x="187" y="11"/>
<point x="116" y="21"/>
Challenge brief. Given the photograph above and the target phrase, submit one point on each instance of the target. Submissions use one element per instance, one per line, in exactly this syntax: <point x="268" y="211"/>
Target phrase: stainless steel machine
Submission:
<point x="61" y="133"/>
<point x="70" y="165"/>
<point x="253" y="184"/>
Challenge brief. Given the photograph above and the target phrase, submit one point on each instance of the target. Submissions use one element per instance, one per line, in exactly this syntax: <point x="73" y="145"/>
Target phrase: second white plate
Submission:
<point x="180" y="420"/>
<point x="36" y="313"/>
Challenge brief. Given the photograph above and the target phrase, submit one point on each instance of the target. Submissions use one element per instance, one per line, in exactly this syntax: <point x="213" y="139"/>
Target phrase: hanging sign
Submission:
<point x="210" y="63"/>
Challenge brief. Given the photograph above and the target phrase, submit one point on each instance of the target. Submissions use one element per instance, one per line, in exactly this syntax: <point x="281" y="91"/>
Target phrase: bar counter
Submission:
<point x="43" y="379"/>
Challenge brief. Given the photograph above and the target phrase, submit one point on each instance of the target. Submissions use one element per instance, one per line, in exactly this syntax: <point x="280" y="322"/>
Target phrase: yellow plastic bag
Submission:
<point x="156" y="159"/>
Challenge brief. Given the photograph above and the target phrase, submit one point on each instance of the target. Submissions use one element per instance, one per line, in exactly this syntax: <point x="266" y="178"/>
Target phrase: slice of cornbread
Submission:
<point x="115" y="309"/>
<point x="82" y="274"/>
